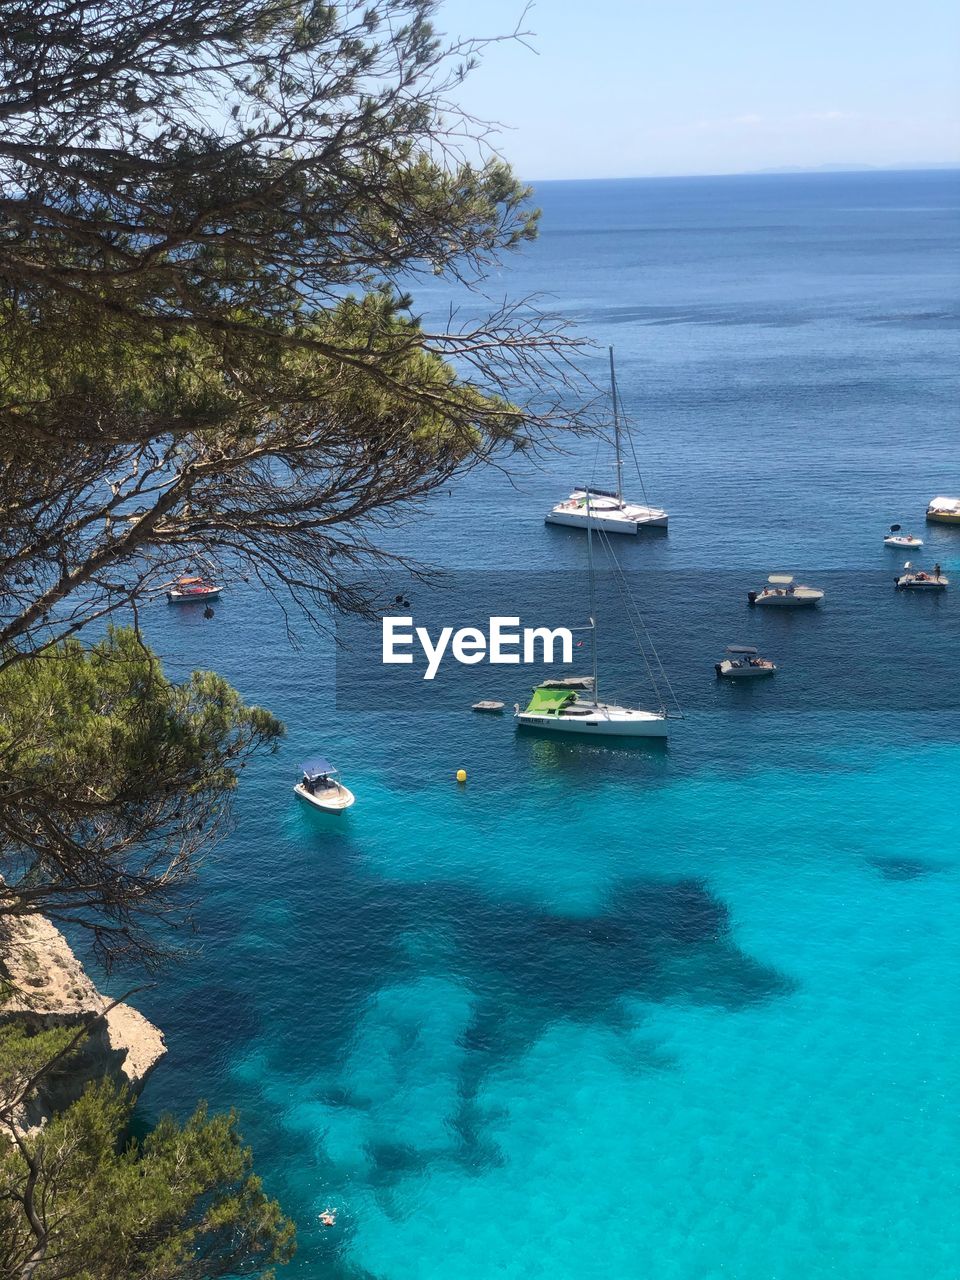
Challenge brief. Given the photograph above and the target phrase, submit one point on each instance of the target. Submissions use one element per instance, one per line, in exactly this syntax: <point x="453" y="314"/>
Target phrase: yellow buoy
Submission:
<point x="461" y="775"/>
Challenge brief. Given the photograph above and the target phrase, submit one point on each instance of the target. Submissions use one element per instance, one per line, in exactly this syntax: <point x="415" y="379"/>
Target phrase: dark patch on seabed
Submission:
<point x="658" y="941"/>
<point x="899" y="868"/>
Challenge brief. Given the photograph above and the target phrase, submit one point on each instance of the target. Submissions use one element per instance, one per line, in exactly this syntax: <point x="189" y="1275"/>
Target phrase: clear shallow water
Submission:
<point x="644" y="1013"/>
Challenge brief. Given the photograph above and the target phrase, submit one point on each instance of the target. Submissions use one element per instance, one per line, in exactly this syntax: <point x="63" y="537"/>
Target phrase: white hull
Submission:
<point x="799" y="599"/>
<point x="606" y="722"/>
<point x="193" y="597"/>
<point x="903" y="544"/>
<point x="791" y="603"/>
<point x="331" y="799"/>
<point x="911" y="584"/>
<point x="629" y="519"/>
<point x="736" y="671"/>
<point x="944" y="511"/>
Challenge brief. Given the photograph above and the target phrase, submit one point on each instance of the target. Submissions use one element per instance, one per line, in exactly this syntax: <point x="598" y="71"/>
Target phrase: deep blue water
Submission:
<point x="671" y="1014"/>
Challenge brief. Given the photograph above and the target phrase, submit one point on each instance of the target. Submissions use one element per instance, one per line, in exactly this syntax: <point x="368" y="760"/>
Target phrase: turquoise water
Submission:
<point x="671" y="1014"/>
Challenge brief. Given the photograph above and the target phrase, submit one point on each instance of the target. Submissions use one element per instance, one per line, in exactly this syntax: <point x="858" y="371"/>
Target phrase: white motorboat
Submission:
<point x="608" y="510"/>
<point x="572" y="705"/>
<point x="321" y="786"/>
<point x="186" y="590"/>
<point x="921" y="579"/>
<point x="944" y="511"/>
<point x="907" y="541"/>
<point x="781" y="592"/>
<point x="743" y="663"/>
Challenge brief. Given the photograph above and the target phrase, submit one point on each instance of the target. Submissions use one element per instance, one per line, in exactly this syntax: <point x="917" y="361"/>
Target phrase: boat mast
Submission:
<point x="616" y="428"/>
<point x="593" y="596"/>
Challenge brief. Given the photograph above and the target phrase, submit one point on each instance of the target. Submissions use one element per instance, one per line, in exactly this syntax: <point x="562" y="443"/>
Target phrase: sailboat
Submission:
<point x="572" y="705"/>
<point x="609" y="511"/>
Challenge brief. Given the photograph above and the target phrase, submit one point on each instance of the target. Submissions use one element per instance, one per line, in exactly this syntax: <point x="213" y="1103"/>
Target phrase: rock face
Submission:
<point x="51" y="989"/>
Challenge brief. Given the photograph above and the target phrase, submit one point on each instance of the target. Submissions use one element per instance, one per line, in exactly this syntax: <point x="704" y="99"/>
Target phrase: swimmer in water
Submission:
<point x="328" y="1217"/>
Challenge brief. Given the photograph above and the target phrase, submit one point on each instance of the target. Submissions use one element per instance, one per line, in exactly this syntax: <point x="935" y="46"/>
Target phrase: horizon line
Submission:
<point x="785" y="171"/>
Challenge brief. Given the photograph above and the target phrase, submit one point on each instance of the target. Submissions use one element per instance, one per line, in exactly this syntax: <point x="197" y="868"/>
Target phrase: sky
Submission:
<point x="630" y="88"/>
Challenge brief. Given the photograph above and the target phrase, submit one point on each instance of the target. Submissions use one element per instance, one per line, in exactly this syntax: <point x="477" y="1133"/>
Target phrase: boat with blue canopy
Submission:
<point x="320" y="786"/>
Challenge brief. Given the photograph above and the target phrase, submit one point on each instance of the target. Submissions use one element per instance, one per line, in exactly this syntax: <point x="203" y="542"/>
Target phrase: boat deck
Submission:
<point x="332" y="799"/>
<point x="629" y="517"/>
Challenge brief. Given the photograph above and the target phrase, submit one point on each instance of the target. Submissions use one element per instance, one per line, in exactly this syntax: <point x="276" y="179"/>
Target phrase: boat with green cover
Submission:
<point x="572" y="705"/>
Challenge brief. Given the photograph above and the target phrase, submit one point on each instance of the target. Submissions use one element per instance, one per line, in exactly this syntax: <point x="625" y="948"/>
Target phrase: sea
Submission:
<point x="681" y="1012"/>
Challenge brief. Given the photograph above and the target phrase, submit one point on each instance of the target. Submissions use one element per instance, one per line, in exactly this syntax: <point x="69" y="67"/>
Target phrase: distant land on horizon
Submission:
<point x="907" y="166"/>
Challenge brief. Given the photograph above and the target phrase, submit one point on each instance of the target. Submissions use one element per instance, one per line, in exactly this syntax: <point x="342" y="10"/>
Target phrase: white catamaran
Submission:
<point x="573" y="705"/>
<point x="608" y="511"/>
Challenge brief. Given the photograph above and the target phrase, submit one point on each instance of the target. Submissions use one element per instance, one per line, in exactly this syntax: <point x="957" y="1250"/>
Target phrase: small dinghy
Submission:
<point x="782" y="593"/>
<point x="897" y="539"/>
<point x="489" y="706"/>
<point x="921" y="579"/>
<point x="743" y="663"/>
<point x="186" y="589"/>
<point x="321" y="786"/>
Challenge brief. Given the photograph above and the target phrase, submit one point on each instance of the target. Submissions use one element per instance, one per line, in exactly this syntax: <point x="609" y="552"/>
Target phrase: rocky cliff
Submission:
<point x="49" y="989"/>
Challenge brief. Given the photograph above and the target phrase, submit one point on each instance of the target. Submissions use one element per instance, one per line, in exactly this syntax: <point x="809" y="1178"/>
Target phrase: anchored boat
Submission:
<point x="321" y="786"/>
<point x="573" y="705"/>
<point x="781" y="592"/>
<point x="608" y="511"/>
<point x="921" y="580"/>
<point x="895" y="538"/>
<point x="743" y="662"/>
<point x="186" y="589"/>
<point x="944" y="511"/>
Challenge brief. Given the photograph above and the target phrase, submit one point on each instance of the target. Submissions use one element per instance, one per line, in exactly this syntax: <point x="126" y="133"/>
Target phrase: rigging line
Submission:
<point x="591" y="479"/>
<point x="633" y="449"/>
<point x="634" y="609"/>
<point x="593" y="596"/>
<point x="653" y="649"/>
<point x="636" y="463"/>
<point x="625" y="597"/>
<point x="605" y="439"/>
